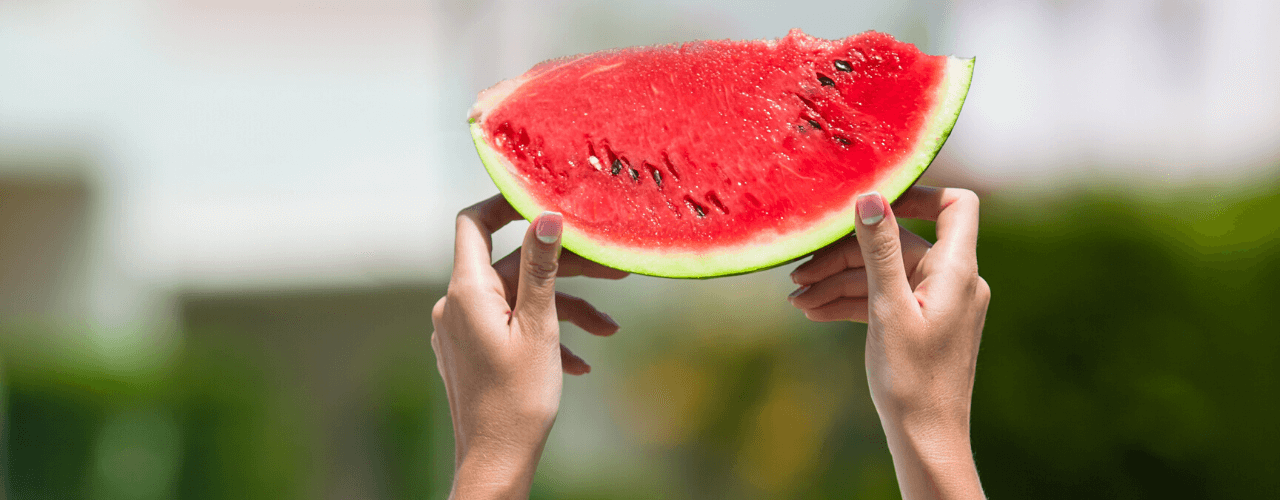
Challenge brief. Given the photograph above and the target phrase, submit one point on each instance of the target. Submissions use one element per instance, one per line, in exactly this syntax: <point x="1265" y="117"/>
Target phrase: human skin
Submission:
<point x="497" y="338"/>
<point x="924" y="306"/>
<point x="497" y="346"/>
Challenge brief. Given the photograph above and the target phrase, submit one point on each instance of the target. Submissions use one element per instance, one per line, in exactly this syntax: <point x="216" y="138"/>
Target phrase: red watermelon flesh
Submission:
<point x="717" y="157"/>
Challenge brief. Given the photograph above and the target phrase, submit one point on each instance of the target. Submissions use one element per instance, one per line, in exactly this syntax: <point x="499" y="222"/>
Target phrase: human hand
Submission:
<point x="924" y="306"/>
<point x="497" y="346"/>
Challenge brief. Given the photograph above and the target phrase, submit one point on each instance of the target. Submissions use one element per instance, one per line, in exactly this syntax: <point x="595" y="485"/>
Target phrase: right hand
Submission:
<point x="924" y="306"/>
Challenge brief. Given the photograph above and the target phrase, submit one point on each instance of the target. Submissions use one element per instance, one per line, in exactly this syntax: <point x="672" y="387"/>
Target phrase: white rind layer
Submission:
<point x="766" y="250"/>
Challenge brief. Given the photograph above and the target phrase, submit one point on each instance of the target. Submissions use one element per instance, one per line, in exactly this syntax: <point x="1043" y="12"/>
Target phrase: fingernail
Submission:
<point x="870" y="208"/>
<point x="610" y="320"/>
<point x="793" y="277"/>
<point x="549" y="226"/>
<point x="798" y="292"/>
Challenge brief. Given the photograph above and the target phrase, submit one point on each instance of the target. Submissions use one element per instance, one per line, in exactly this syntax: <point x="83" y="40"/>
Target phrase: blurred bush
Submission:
<point x="1130" y="352"/>
<point x="1131" y="348"/>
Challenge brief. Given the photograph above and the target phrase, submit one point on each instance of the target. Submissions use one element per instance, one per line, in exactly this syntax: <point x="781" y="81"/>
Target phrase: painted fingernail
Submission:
<point x="549" y="226"/>
<point x="870" y="208"/>
<point x="798" y="292"/>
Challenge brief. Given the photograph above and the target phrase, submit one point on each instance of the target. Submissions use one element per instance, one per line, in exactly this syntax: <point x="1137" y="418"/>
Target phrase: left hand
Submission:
<point x="497" y="345"/>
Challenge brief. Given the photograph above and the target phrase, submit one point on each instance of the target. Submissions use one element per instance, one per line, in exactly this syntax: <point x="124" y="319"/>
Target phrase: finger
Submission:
<point x="473" y="244"/>
<point x="955" y="210"/>
<point x="840" y="310"/>
<point x="851" y="283"/>
<point x="508" y="269"/>
<point x="919" y="202"/>
<point x="571" y="264"/>
<point x="953" y="272"/>
<point x="571" y="363"/>
<point x="914" y="248"/>
<point x="877" y="233"/>
<point x="539" y="261"/>
<point x="958" y="225"/>
<point x="845" y="254"/>
<point x="584" y="315"/>
<point x="841" y="255"/>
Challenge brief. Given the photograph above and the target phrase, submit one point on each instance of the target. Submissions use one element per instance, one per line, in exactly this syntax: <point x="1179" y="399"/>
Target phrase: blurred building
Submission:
<point x="45" y="216"/>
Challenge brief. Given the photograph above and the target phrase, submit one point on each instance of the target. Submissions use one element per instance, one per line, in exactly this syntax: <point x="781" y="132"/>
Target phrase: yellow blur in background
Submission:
<point x="223" y="224"/>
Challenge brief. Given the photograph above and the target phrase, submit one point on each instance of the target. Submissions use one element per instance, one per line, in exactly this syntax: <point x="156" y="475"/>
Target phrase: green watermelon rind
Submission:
<point x="771" y="250"/>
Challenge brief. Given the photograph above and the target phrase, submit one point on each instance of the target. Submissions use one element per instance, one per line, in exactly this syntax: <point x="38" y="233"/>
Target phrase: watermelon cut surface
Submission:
<point x="717" y="157"/>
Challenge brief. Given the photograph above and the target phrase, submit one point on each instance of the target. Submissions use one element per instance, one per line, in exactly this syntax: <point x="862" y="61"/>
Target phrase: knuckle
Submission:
<point x="460" y="293"/>
<point x="984" y="290"/>
<point x="456" y="292"/>
<point x="851" y="254"/>
<point x="466" y="213"/>
<point x="884" y="247"/>
<point x="437" y="311"/>
<point x="967" y="196"/>
<point x="543" y="270"/>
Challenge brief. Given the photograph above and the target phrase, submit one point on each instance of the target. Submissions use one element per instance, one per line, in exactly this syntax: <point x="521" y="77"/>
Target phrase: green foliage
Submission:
<point x="1130" y="352"/>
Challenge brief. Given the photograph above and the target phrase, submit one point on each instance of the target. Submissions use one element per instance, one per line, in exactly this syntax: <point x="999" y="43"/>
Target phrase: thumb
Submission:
<point x="539" y="262"/>
<point x="877" y="233"/>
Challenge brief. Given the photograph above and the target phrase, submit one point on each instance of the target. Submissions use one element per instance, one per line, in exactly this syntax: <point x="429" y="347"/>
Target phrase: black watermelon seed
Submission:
<point x="815" y="124"/>
<point x="635" y="176"/>
<point x="843" y="65"/>
<point x="695" y="206"/>
<point x="657" y="176"/>
<point x="826" y="82"/>
<point x="616" y="168"/>
<point x="842" y="140"/>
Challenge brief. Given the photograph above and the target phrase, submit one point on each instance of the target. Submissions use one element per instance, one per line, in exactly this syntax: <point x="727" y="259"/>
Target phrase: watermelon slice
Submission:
<point x="717" y="157"/>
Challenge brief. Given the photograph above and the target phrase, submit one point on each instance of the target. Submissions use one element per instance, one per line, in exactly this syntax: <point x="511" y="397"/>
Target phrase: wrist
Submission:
<point x="933" y="458"/>
<point x="927" y="424"/>
<point x="933" y="446"/>
<point x="496" y="472"/>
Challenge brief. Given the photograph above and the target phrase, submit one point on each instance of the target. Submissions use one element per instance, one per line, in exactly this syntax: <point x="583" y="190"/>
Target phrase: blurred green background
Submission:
<point x="1130" y="352"/>
<point x="223" y="224"/>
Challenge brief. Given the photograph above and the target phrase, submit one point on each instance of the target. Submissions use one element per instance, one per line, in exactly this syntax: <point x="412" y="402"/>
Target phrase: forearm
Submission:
<point x="503" y="474"/>
<point x="933" y="462"/>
